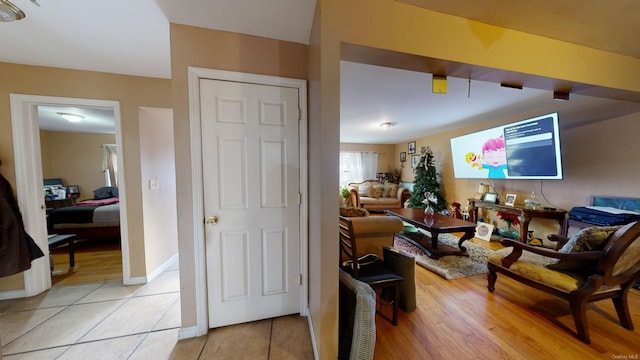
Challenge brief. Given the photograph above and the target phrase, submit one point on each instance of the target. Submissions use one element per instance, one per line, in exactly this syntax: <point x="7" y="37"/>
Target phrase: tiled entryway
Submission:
<point x="111" y="321"/>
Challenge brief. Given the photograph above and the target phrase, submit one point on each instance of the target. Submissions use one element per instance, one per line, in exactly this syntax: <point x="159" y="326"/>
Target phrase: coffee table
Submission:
<point x="440" y="224"/>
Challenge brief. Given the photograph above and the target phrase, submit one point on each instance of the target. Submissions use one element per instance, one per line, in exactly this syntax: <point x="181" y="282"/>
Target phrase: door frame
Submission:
<point x="28" y="169"/>
<point x="197" y="186"/>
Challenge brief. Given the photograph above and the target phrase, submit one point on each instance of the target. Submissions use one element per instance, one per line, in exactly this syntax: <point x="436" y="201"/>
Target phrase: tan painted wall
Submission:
<point x="386" y="154"/>
<point x="158" y="199"/>
<point x="131" y="91"/>
<point x="598" y="159"/>
<point x="74" y="157"/>
<point x="204" y="48"/>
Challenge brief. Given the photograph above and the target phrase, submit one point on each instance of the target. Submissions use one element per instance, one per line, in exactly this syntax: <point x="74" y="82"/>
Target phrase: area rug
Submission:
<point x="450" y="267"/>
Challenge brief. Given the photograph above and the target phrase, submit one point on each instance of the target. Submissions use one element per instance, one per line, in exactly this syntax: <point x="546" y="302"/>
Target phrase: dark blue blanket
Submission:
<point x="71" y="215"/>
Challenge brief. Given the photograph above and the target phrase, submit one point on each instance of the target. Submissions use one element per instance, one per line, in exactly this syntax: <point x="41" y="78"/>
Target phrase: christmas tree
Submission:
<point x="426" y="181"/>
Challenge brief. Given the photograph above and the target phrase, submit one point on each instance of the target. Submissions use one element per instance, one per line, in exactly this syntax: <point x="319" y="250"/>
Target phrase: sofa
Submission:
<point x="375" y="195"/>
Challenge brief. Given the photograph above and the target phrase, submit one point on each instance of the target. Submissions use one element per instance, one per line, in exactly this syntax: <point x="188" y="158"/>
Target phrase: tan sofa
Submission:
<point x="372" y="195"/>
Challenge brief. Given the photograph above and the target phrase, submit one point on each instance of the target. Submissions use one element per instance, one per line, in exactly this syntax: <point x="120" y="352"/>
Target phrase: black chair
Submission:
<point x="369" y="269"/>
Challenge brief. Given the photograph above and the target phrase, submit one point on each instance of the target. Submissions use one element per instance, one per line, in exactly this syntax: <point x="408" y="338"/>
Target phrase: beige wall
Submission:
<point x="204" y="48"/>
<point x="158" y="186"/>
<point x="589" y="152"/>
<point x="74" y="157"/>
<point x="386" y="154"/>
<point x="131" y="91"/>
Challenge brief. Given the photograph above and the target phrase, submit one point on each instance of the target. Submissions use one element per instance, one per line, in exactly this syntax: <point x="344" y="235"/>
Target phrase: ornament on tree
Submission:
<point x="426" y="182"/>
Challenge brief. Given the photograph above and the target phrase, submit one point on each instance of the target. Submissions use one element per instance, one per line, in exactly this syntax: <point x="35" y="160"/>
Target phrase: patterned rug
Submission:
<point x="450" y="267"/>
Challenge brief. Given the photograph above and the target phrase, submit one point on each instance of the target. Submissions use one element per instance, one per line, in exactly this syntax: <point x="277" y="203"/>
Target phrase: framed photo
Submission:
<point x="74" y="189"/>
<point x="510" y="199"/>
<point x="484" y="231"/>
<point x="490" y="197"/>
<point x="403" y="156"/>
<point x="415" y="160"/>
<point x="412" y="147"/>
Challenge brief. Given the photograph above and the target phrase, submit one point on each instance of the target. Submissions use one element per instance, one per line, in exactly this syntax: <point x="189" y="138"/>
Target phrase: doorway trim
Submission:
<point x="197" y="186"/>
<point x="28" y="168"/>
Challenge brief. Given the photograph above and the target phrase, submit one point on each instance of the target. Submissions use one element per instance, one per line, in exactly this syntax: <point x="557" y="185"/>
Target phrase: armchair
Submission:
<point x="594" y="272"/>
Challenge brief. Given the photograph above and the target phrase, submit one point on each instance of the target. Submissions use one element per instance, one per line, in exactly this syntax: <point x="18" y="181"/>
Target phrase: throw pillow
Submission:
<point x="364" y="189"/>
<point x="105" y="192"/>
<point x="378" y="191"/>
<point x="588" y="239"/>
<point x="387" y="189"/>
<point x="393" y="191"/>
<point x="353" y="212"/>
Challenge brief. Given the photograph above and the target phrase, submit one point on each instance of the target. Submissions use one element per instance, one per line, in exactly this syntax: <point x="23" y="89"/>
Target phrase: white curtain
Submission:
<point x="110" y="164"/>
<point x="358" y="166"/>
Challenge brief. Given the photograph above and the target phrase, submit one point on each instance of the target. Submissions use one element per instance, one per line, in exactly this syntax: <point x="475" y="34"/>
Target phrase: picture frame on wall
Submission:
<point x="403" y="156"/>
<point x="412" y="147"/>
<point x="510" y="199"/>
<point x="415" y="160"/>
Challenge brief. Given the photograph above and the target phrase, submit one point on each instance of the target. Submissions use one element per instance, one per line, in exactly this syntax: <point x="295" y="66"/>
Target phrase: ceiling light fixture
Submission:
<point x="10" y="12"/>
<point x="74" y="118"/>
<point x="386" y="125"/>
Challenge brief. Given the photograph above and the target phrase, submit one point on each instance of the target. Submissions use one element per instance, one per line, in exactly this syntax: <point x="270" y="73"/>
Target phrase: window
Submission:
<point x="358" y="166"/>
<point x="110" y="164"/>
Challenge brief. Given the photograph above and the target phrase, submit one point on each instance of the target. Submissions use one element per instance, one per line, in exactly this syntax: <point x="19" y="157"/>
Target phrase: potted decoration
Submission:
<point x="509" y="231"/>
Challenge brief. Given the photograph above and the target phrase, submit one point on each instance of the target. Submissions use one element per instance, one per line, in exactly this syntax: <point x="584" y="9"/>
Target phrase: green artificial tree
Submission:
<point x="426" y="181"/>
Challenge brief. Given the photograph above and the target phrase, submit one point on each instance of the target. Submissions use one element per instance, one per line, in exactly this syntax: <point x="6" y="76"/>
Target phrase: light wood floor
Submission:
<point x="95" y="261"/>
<point x="461" y="319"/>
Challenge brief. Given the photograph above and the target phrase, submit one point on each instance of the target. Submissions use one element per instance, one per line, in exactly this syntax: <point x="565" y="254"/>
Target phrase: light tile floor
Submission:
<point x="112" y="321"/>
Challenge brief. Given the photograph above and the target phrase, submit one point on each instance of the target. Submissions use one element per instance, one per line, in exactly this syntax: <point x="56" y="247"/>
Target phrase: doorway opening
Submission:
<point x="29" y="177"/>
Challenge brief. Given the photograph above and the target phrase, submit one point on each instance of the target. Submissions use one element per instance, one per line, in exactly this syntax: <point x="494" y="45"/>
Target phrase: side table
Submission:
<point x="524" y="215"/>
<point x="56" y="240"/>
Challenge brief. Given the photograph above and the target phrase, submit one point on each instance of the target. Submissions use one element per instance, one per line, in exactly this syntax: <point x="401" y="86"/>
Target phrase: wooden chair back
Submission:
<point x="621" y="260"/>
<point x="348" y="247"/>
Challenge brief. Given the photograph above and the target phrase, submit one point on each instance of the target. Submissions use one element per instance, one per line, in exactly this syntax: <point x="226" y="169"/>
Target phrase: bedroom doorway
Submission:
<point x="29" y="177"/>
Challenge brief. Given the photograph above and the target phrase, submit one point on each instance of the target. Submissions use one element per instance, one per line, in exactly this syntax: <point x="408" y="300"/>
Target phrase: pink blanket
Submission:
<point x="100" y="202"/>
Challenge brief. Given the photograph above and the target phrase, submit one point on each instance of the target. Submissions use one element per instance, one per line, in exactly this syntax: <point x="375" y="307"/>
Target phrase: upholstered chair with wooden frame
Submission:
<point x="590" y="273"/>
<point x="369" y="268"/>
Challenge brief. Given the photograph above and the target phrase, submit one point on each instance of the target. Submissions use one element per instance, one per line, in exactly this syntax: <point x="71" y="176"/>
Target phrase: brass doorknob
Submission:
<point x="212" y="220"/>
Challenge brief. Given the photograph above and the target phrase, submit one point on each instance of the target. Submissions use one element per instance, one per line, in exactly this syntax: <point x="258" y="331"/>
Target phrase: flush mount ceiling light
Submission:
<point x="74" y="118"/>
<point x="10" y="12"/>
<point x="386" y="125"/>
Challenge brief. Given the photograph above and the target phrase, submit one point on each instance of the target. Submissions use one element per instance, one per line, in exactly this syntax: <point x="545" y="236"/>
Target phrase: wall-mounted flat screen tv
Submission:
<point x="527" y="149"/>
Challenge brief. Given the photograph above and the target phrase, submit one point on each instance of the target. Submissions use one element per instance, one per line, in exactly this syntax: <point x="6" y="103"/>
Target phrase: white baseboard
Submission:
<point x="141" y="280"/>
<point x="314" y="345"/>
<point x="12" y="294"/>
<point x="188" y="333"/>
<point x="162" y="268"/>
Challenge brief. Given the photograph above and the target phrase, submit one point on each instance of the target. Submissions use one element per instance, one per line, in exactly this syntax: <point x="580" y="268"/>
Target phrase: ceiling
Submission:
<point x="132" y="38"/>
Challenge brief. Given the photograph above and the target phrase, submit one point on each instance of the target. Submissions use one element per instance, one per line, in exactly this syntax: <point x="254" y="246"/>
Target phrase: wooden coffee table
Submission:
<point x="441" y="224"/>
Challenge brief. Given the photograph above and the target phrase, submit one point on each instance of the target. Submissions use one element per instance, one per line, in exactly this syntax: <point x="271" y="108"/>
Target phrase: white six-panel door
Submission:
<point x="251" y="200"/>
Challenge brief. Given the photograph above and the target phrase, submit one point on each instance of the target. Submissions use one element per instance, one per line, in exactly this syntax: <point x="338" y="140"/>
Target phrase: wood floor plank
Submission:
<point x="460" y="318"/>
<point x="290" y="339"/>
<point x="242" y="341"/>
<point x="95" y="261"/>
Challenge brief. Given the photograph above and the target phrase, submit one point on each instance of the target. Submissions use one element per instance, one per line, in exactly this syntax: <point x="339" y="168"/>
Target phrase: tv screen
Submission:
<point x="527" y="149"/>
